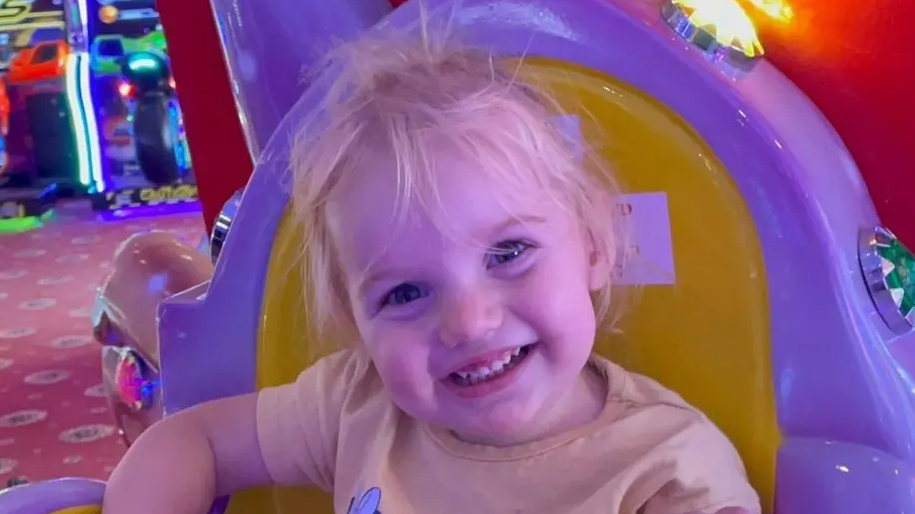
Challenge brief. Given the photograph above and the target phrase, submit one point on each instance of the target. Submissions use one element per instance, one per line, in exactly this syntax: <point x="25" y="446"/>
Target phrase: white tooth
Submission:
<point x="496" y="366"/>
<point x="507" y="358"/>
<point x="483" y="371"/>
<point x="516" y="351"/>
<point x="462" y="374"/>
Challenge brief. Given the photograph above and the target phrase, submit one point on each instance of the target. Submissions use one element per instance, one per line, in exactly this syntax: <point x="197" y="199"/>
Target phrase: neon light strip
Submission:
<point x="90" y="121"/>
<point x="149" y="210"/>
<point x="74" y="103"/>
<point x="91" y="124"/>
<point x="82" y="112"/>
<point x="85" y="125"/>
<point x="84" y="19"/>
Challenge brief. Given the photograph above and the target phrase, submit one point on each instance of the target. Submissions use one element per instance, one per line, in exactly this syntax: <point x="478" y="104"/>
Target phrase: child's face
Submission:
<point x="477" y="313"/>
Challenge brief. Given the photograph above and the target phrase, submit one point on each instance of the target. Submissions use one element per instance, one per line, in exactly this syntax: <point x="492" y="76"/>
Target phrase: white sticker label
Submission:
<point x="570" y="127"/>
<point x="650" y="253"/>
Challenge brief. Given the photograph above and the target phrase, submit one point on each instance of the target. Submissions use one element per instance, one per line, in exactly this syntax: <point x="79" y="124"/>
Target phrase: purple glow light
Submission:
<point x="148" y="211"/>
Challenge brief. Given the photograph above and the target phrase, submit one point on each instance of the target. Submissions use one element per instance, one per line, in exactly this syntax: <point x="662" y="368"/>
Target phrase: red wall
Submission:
<point x="222" y="164"/>
<point x="855" y="60"/>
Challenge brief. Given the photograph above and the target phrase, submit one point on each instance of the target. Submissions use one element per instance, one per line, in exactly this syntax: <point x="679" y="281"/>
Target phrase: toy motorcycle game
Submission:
<point x="154" y="119"/>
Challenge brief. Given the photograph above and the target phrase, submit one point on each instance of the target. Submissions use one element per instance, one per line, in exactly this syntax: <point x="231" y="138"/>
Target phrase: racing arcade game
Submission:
<point x="36" y="146"/>
<point x="143" y="161"/>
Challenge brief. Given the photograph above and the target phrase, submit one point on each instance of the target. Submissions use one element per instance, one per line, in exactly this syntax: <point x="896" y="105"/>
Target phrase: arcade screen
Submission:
<point x="24" y="23"/>
<point x="132" y="19"/>
<point x="118" y="28"/>
<point x="128" y="18"/>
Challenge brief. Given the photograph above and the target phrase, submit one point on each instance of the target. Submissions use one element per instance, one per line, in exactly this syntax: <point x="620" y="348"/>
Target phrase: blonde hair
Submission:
<point x="405" y="95"/>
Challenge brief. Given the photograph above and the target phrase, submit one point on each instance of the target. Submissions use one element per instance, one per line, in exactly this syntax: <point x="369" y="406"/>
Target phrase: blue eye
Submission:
<point x="506" y="252"/>
<point x="403" y="294"/>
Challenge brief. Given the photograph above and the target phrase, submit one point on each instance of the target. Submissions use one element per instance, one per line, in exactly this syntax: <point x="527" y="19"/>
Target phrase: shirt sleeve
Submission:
<point x="708" y="476"/>
<point x="298" y="423"/>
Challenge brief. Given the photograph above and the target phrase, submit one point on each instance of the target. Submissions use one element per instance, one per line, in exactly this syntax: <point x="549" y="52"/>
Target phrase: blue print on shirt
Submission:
<point x="368" y="503"/>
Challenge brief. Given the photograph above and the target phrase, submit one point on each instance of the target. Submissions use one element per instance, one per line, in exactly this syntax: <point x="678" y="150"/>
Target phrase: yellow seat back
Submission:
<point x="706" y="335"/>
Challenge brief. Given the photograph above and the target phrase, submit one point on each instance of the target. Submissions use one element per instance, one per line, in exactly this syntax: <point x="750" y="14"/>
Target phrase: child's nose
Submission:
<point x="471" y="317"/>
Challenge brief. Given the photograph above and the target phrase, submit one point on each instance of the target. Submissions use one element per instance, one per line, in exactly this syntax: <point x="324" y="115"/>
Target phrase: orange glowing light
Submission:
<point x="108" y="14"/>
<point x="727" y="21"/>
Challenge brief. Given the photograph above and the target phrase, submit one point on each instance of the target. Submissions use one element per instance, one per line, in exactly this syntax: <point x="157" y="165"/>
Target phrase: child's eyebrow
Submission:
<point x="368" y="279"/>
<point x="514" y="221"/>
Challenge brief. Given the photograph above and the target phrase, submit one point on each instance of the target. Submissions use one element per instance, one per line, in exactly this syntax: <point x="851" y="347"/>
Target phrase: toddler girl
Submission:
<point x="464" y="244"/>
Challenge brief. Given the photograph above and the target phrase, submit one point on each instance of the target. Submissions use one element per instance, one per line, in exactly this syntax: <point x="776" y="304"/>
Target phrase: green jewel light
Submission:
<point x="889" y="271"/>
<point x="898" y="266"/>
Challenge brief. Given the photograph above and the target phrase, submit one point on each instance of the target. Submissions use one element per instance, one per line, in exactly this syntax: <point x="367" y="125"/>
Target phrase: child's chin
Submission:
<point x="498" y="431"/>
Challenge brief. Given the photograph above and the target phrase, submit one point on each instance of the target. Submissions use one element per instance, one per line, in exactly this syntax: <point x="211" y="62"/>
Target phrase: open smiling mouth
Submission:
<point x="496" y="368"/>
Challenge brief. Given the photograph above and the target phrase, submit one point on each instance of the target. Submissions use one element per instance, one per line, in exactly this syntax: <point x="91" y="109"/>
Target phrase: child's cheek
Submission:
<point x="402" y="359"/>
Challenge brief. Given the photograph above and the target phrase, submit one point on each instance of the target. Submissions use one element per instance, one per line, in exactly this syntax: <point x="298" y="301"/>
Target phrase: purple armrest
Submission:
<point x="52" y="496"/>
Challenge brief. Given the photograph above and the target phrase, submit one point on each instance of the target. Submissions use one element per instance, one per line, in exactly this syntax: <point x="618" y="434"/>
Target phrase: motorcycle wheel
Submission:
<point x="155" y="136"/>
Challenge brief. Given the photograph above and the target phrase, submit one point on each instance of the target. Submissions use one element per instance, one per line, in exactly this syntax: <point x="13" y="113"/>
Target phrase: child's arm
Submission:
<point x="284" y="435"/>
<point x="185" y="461"/>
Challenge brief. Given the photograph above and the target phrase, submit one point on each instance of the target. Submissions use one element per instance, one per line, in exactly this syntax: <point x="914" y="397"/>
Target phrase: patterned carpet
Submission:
<point x="54" y="420"/>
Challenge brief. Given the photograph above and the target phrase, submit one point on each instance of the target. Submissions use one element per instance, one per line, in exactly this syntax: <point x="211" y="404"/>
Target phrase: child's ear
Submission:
<point x="600" y="265"/>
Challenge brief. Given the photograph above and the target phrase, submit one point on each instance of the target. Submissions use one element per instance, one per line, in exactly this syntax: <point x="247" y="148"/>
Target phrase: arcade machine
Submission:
<point x="136" y="154"/>
<point x="33" y="56"/>
<point x="89" y="113"/>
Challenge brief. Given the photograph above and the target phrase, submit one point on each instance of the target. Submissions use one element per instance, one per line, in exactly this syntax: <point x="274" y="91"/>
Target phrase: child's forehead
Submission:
<point x="463" y="202"/>
<point x="455" y="186"/>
